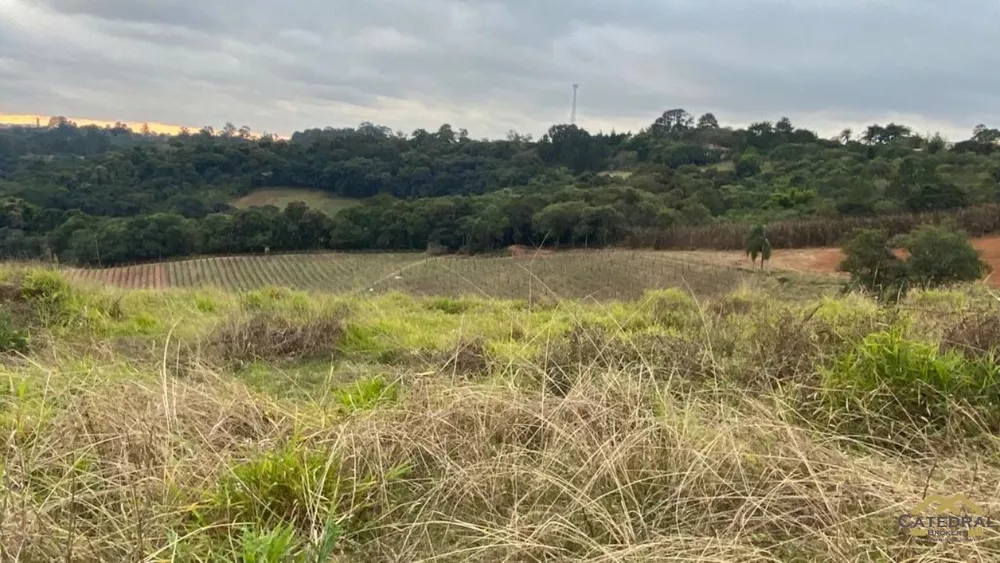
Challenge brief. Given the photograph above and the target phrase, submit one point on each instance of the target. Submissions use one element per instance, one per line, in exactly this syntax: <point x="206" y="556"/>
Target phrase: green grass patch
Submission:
<point x="281" y="197"/>
<point x="366" y="394"/>
<point x="908" y="380"/>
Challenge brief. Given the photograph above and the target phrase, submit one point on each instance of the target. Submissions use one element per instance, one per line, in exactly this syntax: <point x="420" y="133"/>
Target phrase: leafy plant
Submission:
<point x="366" y="393"/>
<point x="758" y="244"/>
<point x="273" y="546"/>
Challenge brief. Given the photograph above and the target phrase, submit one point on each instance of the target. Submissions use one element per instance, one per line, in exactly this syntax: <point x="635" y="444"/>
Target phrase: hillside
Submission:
<point x="275" y="425"/>
<point x="112" y="196"/>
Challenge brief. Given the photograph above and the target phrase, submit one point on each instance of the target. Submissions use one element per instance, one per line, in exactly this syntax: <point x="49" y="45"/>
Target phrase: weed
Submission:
<point x="44" y="286"/>
<point x="365" y="394"/>
<point x="906" y="380"/>
<point x="12" y="337"/>
<point x="364" y="342"/>
<point x="468" y="358"/>
<point x="272" y="546"/>
<point x="621" y="432"/>
<point x="297" y="486"/>
<point x="672" y="307"/>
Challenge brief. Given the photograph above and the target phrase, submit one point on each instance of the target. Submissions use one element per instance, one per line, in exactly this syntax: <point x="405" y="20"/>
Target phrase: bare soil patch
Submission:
<point x="826" y="260"/>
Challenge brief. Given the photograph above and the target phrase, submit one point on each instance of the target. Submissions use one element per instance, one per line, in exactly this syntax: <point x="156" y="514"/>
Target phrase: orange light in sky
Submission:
<point x="30" y="120"/>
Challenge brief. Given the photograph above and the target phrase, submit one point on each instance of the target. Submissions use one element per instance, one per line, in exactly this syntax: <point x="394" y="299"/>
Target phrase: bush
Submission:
<point x="941" y="255"/>
<point x="873" y="266"/>
<point x="936" y="256"/>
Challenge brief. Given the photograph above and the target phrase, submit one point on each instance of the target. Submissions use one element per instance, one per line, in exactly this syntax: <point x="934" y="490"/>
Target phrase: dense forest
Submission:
<point x="104" y="196"/>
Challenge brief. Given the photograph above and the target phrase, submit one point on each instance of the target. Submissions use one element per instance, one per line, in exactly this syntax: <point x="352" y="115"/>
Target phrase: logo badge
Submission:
<point x="943" y="518"/>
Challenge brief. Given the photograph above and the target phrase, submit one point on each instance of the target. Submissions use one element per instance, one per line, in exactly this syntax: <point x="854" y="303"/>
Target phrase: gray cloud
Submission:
<point x="490" y="66"/>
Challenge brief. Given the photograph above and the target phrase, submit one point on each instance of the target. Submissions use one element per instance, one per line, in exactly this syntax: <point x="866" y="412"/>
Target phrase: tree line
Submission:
<point x="109" y="195"/>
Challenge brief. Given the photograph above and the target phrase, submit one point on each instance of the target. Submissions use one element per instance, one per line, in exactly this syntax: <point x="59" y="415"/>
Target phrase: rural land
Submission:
<point x="689" y="343"/>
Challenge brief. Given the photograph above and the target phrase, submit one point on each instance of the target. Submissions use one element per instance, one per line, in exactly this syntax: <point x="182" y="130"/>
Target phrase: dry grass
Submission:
<point x="669" y="442"/>
<point x="269" y="337"/>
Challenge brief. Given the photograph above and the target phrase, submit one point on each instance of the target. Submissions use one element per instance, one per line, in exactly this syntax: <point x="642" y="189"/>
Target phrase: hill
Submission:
<point x="113" y="196"/>
<point x="274" y="425"/>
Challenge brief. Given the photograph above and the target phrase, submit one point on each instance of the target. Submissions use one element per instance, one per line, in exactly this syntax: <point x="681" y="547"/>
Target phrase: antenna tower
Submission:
<point x="572" y="116"/>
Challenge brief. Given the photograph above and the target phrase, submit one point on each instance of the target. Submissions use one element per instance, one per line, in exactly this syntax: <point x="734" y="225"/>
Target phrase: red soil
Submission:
<point x="826" y="260"/>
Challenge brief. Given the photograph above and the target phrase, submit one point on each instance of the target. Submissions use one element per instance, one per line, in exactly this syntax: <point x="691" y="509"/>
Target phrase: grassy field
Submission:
<point x="281" y="197"/>
<point x="274" y="425"/>
<point x="601" y="275"/>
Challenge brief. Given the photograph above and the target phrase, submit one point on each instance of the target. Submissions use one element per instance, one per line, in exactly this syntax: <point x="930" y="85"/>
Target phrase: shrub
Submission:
<point x="941" y="255"/>
<point x="936" y="256"/>
<point x="873" y="266"/>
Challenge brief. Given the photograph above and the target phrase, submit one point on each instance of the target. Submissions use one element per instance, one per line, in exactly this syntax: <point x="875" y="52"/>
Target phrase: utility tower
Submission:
<point x="572" y="115"/>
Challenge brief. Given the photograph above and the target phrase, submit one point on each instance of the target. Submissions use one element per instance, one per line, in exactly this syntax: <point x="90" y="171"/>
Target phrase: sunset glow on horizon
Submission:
<point x="12" y="119"/>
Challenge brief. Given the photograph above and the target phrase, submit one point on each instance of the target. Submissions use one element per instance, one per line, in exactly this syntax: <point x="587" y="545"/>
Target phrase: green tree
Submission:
<point x="757" y="244"/>
<point x="708" y="121"/>
<point x="748" y="164"/>
<point x="941" y="255"/>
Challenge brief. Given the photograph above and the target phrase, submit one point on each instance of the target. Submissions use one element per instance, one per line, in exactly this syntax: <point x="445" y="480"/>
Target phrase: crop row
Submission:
<point x="619" y="274"/>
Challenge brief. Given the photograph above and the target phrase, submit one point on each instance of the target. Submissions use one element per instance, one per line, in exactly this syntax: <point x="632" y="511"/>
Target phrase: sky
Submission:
<point x="492" y="66"/>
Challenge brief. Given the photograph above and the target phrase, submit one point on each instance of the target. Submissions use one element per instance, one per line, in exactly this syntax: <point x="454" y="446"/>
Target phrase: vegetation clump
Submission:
<point x="934" y="256"/>
<point x="266" y="336"/>
<point x="757" y="244"/>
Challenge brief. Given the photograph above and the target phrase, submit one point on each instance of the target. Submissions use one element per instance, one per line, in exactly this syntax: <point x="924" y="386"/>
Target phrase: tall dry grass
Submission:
<point x="681" y="431"/>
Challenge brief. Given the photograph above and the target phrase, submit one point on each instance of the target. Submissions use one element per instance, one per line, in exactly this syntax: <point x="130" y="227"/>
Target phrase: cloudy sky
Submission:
<point x="493" y="66"/>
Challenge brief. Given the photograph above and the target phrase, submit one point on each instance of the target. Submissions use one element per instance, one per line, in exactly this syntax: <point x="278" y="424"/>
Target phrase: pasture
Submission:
<point x="281" y="197"/>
